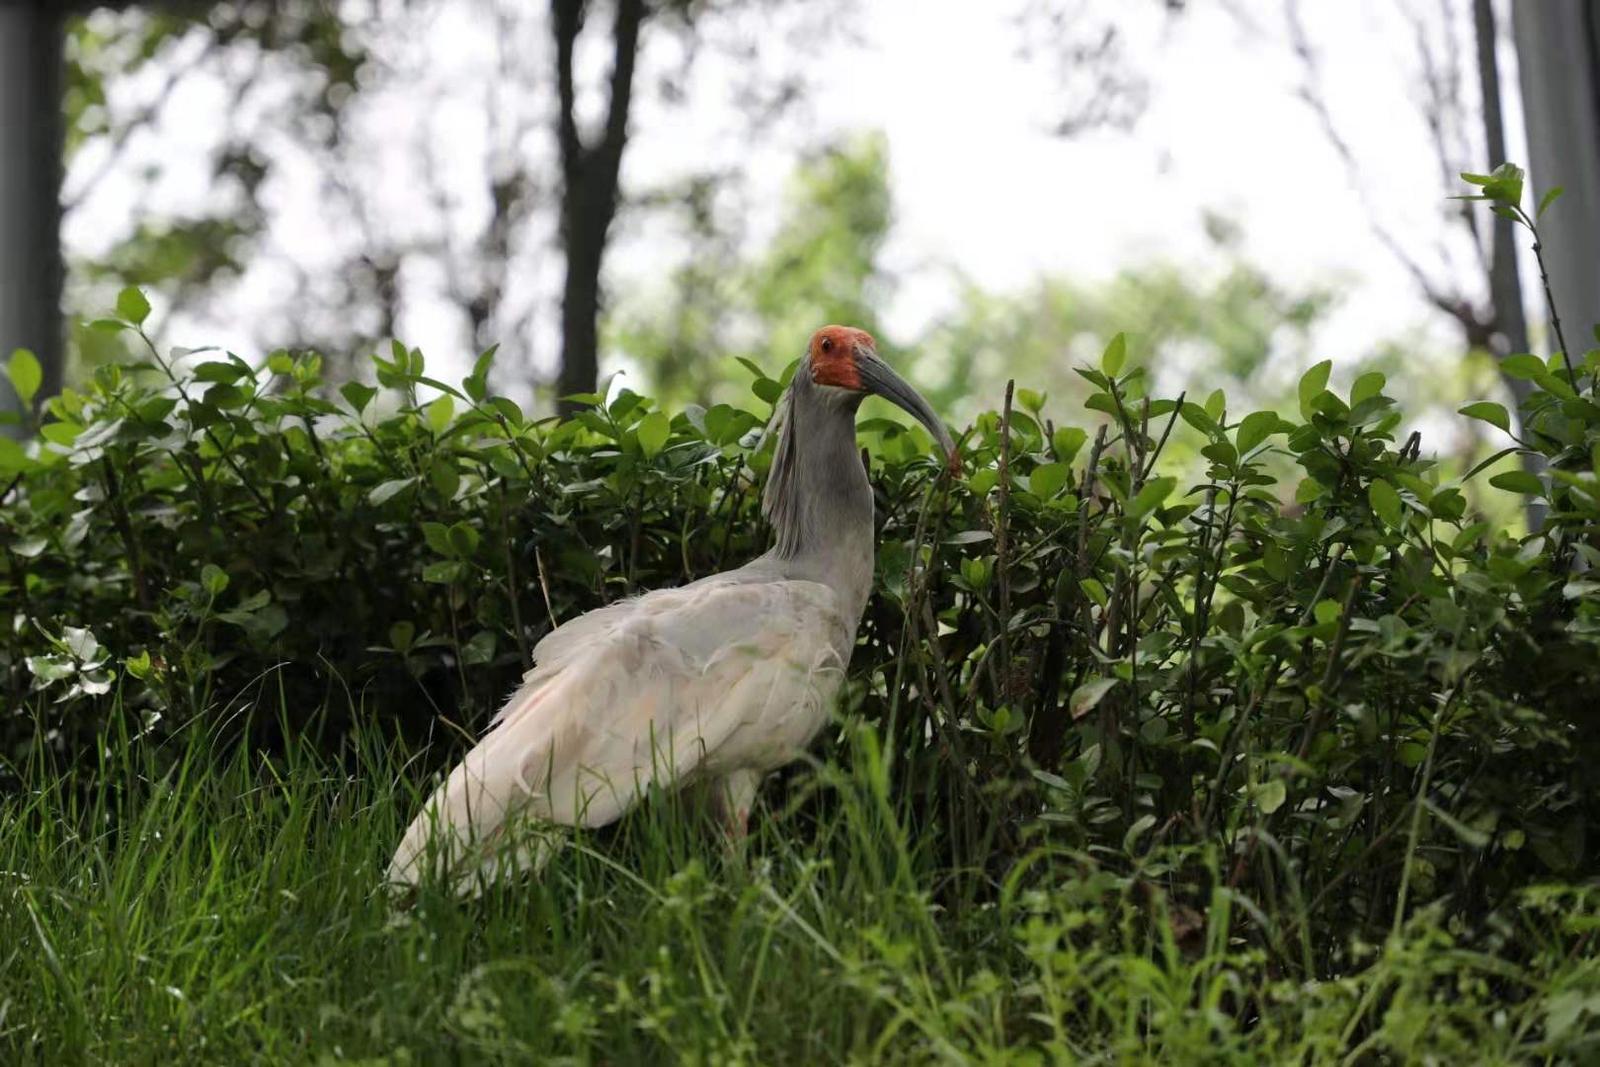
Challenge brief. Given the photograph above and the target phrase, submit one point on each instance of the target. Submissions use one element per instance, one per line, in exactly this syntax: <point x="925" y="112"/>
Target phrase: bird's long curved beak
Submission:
<point x="879" y="378"/>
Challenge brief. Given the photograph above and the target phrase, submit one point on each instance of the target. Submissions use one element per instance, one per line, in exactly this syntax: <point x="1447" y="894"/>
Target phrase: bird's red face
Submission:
<point x="835" y="354"/>
<point x="847" y="358"/>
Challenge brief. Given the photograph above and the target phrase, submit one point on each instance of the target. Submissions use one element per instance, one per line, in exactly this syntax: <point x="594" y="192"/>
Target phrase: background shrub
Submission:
<point x="1360" y="700"/>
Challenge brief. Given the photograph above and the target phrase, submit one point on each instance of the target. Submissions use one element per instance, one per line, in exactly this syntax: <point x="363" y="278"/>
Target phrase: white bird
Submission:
<point x="724" y="679"/>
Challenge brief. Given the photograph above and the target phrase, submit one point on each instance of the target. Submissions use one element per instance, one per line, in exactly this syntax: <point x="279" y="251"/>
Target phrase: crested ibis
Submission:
<point x="724" y="679"/>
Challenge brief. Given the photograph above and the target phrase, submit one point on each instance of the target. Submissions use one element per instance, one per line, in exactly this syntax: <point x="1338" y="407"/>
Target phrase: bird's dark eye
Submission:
<point x="827" y="344"/>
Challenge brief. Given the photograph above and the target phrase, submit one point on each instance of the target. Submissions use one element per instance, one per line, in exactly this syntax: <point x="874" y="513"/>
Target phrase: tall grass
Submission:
<point x="193" y="905"/>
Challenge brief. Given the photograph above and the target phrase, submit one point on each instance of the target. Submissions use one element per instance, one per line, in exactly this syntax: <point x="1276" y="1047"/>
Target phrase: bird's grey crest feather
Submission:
<point x="778" y="502"/>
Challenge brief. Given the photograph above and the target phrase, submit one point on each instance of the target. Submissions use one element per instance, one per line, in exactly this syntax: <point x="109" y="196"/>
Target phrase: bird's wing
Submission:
<point x="638" y="693"/>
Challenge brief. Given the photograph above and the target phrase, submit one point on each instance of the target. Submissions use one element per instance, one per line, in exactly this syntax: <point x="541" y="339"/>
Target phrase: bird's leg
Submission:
<point x="734" y="793"/>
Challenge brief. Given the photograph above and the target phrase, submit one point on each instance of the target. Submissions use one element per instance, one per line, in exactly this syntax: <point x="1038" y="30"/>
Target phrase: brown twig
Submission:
<point x="544" y="587"/>
<point x="1002" y="538"/>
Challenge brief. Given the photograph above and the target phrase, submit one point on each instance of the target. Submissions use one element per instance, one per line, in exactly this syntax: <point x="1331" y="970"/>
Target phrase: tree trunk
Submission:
<point x="1558" y="53"/>
<point x="30" y="187"/>
<point x="1505" y="284"/>
<point x="1510" y="333"/>
<point x="589" y="174"/>
<point x="580" y="309"/>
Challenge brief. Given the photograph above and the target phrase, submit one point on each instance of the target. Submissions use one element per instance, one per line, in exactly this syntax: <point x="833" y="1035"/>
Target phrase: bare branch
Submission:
<point x="139" y="121"/>
<point x="625" y="32"/>
<point x="566" y="23"/>
<point x="1442" y="296"/>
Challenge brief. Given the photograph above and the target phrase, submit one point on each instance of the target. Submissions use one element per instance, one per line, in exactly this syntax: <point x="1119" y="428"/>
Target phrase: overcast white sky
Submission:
<point x="980" y="184"/>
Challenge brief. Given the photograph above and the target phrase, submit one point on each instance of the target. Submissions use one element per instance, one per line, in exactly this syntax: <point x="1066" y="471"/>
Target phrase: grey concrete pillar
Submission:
<point x="30" y="186"/>
<point x="1558" y="60"/>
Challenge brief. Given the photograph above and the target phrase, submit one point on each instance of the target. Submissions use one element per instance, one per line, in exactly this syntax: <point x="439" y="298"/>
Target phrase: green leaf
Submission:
<point x="132" y="306"/>
<point x="1048" y="479"/>
<point x="1196" y="416"/>
<point x="1269" y="796"/>
<point x="203" y="413"/>
<point x="139" y="666"/>
<point x="1326" y="611"/>
<point x="1312" y="383"/>
<point x="979" y="482"/>
<point x="443" y="571"/>
<point x="1150" y="496"/>
<point x="1136" y="831"/>
<point x="1031" y="400"/>
<point x="463" y="539"/>
<point x="479" y="649"/>
<point x="1385" y="500"/>
<point x="1518" y="482"/>
<point x="401" y="635"/>
<point x="1308" y="490"/>
<point x="1524" y="366"/>
<point x="725" y="424"/>
<point x="218" y="370"/>
<point x="60" y="433"/>
<point x="437" y="535"/>
<point x="439" y="413"/>
<point x="653" y="431"/>
<point x="213" y="579"/>
<point x="382" y="493"/>
<point x="13" y="457"/>
<point x="1564" y="1010"/>
<point x="1217" y="405"/>
<point x="46" y="669"/>
<point x="29" y="547"/>
<point x="975" y="572"/>
<point x="1485" y="464"/>
<point x="226" y="396"/>
<point x="444" y="477"/>
<point x="476" y="384"/>
<point x="626" y="400"/>
<point x="1101" y="402"/>
<point x="1256" y="427"/>
<point x="1489" y="412"/>
<point x="1115" y="355"/>
<point x="1546" y="200"/>
<point x="507" y="409"/>
<point x="1066" y="441"/>
<point x="1448" y="504"/>
<point x="255" y="601"/>
<point x="25" y="374"/>
<point x="1367" y="386"/>
<point x="358" y="395"/>
<point x="1504" y="187"/>
<point x="1088" y="695"/>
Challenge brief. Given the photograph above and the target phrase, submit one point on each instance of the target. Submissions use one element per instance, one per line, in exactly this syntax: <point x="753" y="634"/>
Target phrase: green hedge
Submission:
<point x="1308" y="655"/>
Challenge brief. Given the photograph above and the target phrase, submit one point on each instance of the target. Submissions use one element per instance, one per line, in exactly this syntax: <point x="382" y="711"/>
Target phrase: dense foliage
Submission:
<point x="1304" y="689"/>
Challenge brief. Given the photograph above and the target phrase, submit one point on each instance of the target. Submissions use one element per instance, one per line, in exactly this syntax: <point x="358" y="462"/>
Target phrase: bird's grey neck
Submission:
<point x="818" y="499"/>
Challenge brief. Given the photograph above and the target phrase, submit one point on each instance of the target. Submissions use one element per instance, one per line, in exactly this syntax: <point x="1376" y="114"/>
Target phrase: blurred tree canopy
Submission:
<point x="721" y="302"/>
<point x="824" y="264"/>
<point x="464" y="160"/>
<point x="284" y="75"/>
<point x="516" y="180"/>
<point x="1227" y="322"/>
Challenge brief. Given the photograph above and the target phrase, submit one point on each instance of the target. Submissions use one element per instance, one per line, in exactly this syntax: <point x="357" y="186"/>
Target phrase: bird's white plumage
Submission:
<point x="726" y="678"/>
<point x="728" y="675"/>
